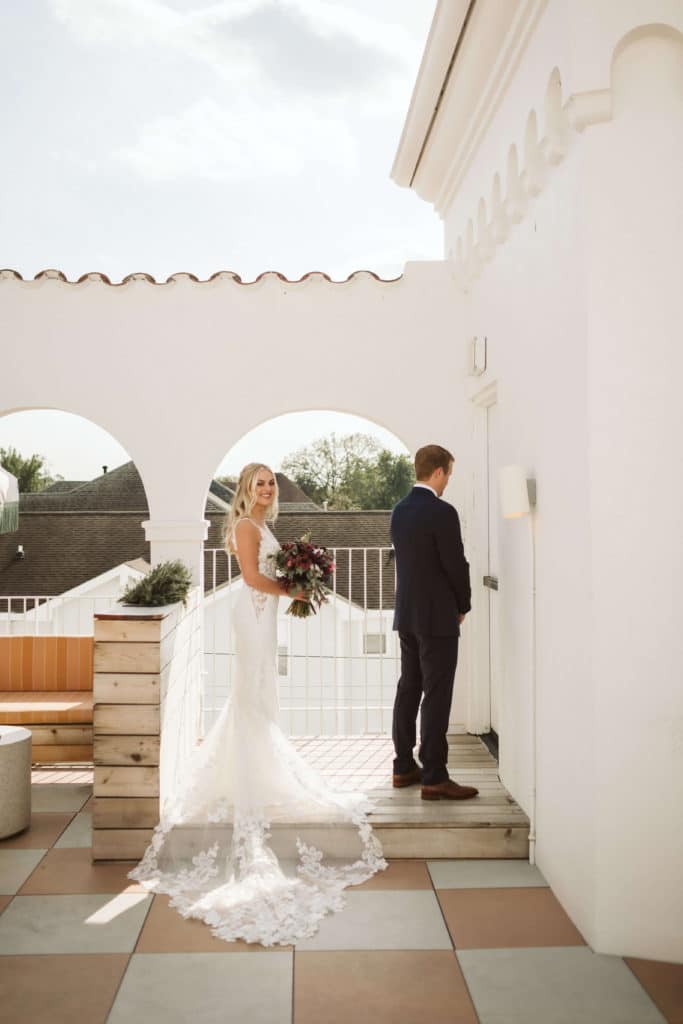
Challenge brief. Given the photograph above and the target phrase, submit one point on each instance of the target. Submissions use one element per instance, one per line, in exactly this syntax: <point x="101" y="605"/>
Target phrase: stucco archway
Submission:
<point x="178" y="372"/>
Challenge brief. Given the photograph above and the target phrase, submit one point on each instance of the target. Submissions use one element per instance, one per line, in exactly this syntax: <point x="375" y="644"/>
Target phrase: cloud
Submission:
<point x="298" y="48"/>
<point x="308" y="45"/>
<point x="240" y="141"/>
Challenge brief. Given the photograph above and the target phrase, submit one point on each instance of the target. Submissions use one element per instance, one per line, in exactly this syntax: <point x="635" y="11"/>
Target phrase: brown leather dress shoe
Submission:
<point x="448" y="790"/>
<point x="409" y="779"/>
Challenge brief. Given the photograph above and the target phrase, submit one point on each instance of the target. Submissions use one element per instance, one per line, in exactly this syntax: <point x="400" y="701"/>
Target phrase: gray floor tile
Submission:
<point x="482" y="874"/>
<point x="389" y="919"/>
<point x="73" y="924"/>
<point x="58" y="796"/>
<point x="15" y="867"/>
<point x="205" y="988"/>
<point x="568" y="985"/>
<point x="78" y="832"/>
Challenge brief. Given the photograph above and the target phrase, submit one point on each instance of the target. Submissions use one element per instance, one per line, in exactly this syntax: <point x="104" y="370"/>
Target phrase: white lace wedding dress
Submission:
<point x="256" y="843"/>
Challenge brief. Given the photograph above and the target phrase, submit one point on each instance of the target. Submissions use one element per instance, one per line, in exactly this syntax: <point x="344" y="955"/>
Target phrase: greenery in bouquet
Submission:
<point x="305" y="567"/>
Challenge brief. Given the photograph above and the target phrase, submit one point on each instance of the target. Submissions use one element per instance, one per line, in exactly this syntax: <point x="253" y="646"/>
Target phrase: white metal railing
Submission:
<point x="40" y="615"/>
<point x="337" y="670"/>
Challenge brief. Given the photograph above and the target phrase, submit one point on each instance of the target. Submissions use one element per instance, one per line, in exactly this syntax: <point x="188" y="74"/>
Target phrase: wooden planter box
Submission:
<point x="132" y="650"/>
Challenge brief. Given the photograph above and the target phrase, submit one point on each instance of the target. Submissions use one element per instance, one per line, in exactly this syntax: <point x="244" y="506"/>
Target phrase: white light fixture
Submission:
<point x="517" y="494"/>
<point x="478" y="356"/>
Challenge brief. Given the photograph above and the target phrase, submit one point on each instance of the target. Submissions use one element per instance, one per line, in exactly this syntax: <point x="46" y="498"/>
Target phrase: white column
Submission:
<point x="183" y="539"/>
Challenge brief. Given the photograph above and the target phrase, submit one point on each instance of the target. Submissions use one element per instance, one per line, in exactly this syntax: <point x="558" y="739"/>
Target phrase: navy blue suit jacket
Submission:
<point x="433" y="575"/>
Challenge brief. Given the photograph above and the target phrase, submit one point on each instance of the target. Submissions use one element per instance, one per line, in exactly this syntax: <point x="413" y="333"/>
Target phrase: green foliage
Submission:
<point x="31" y="472"/>
<point x="166" y="583"/>
<point x="350" y="472"/>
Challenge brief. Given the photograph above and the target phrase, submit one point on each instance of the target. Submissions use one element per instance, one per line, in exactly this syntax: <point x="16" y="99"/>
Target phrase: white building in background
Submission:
<point x="549" y="136"/>
<point x="70" y="613"/>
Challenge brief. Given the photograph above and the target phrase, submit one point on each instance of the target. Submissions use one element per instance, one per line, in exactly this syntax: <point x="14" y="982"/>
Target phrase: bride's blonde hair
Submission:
<point x="245" y="499"/>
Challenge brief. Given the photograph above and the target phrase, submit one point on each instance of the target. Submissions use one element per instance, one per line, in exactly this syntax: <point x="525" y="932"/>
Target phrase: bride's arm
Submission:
<point x="247" y="539"/>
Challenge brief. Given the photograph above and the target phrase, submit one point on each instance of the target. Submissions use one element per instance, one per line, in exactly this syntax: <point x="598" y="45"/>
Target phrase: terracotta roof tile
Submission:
<point x="96" y="275"/>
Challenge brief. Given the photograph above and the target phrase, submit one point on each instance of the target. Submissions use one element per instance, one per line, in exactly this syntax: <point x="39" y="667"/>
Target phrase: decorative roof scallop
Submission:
<point x="96" y="275"/>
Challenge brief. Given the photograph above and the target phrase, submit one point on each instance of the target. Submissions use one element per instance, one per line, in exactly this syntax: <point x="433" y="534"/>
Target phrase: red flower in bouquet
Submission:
<point x="305" y="567"/>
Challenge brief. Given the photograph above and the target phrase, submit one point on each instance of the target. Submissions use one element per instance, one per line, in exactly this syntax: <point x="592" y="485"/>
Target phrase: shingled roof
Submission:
<point x="291" y="497"/>
<point x="122" y="490"/>
<point x="119" y="490"/>
<point x="63" y="485"/>
<point x="70" y="535"/>
<point x="64" y="549"/>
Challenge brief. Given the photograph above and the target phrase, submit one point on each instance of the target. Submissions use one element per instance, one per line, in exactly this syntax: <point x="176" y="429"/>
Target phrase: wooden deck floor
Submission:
<point x="491" y="825"/>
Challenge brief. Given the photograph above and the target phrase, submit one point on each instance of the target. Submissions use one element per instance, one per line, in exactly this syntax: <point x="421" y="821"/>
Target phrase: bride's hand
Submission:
<point x="300" y="595"/>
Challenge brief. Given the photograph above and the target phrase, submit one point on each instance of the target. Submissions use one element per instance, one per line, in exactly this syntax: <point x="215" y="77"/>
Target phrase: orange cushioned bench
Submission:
<point x="46" y="686"/>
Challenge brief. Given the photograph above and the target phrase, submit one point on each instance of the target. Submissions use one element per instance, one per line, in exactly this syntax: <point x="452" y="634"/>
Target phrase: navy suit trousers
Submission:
<point x="428" y="666"/>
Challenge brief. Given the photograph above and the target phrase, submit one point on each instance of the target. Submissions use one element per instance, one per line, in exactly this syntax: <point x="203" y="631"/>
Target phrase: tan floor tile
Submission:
<point x="60" y="989"/>
<point x="410" y="986"/>
<point x="71" y="870"/>
<point x="401" y="874"/>
<point x="500" y="918"/>
<point x="166" y="931"/>
<point x="4" y="900"/>
<point x="44" y="830"/>
<point x="663" y="983"/>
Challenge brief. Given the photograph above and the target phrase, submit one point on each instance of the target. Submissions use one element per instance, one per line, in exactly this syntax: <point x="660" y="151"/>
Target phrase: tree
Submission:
<point x="31" y="472"/>
<point x="350" y="472"/>
<point x="386" y="480"/>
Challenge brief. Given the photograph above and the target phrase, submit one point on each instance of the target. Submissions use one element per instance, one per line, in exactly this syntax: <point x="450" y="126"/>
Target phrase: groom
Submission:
<point x="432" y="598"/>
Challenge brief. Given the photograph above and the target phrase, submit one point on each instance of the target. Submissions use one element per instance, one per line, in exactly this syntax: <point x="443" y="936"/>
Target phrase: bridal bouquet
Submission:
<point x="305" y="566"/>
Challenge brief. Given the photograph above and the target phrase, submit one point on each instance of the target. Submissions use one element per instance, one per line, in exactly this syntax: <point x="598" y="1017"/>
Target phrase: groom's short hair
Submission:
<point x="431" y="458"/>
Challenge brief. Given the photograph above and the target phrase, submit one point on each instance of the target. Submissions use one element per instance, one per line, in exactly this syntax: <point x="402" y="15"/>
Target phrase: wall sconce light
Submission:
<point x="20" y="551"/>
<point x="478" y="356"/>
<point x="517" y="494"/>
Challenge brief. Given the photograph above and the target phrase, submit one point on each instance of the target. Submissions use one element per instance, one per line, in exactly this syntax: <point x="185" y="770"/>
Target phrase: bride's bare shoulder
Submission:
<point x="245" y="519"/>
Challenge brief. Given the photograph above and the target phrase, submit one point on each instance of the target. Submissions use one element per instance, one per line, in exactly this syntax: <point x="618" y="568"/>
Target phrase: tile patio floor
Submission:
<point x="425" y="942"/>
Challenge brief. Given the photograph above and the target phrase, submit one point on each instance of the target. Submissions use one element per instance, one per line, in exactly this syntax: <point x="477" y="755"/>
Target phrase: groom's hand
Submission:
<point x="461" y="619"/>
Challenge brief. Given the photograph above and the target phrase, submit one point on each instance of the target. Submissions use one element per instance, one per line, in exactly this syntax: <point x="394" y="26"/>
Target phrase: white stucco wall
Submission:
<point x="178" y="372"/>
<point x="573" y="274"/>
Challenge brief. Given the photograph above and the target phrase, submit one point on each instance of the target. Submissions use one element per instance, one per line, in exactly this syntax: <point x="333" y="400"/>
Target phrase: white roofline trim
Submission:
<point x="445" y="34"/>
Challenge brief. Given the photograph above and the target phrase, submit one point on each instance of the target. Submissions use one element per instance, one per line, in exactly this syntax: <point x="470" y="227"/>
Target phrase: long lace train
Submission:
<point x="255" y="843"/>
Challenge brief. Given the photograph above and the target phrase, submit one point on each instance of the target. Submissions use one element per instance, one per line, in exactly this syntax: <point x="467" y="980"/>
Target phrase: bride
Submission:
<point x="256" y="843"/>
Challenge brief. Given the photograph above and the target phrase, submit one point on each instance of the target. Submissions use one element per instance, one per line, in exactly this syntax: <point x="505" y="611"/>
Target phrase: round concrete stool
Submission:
<point x="15" y="779"/>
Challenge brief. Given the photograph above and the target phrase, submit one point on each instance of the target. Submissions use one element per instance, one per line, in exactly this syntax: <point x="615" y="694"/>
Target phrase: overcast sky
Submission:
<point x="169" y="135"/>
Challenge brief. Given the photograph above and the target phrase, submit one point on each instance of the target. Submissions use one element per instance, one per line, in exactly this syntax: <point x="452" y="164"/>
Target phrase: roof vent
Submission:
<point x="104" y="469"/>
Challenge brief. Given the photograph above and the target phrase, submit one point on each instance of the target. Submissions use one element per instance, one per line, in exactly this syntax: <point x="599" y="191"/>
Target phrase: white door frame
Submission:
<point x="478" y="709"/>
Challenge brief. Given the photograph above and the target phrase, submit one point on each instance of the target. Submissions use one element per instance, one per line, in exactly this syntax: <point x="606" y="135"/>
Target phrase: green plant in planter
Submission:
<point x="166" y="583"/>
